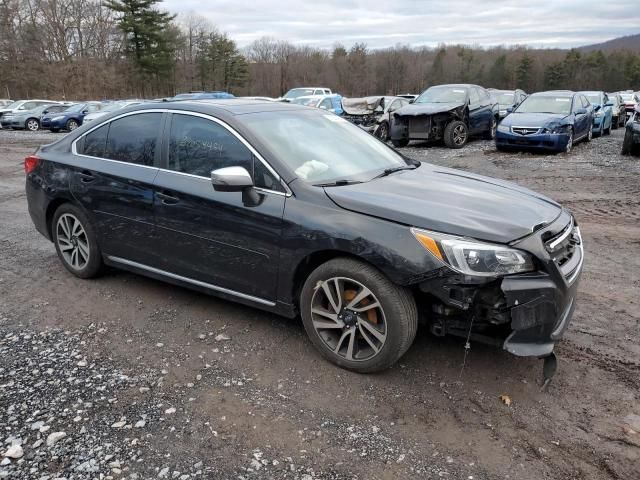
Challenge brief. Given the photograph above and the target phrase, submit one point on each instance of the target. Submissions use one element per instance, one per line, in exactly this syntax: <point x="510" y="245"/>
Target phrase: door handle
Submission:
<point x="86" y="176"/>
<point x="167" y="199"/>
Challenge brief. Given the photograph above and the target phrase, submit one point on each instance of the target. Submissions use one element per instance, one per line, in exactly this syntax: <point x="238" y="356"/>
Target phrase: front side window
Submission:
<point x="133" y="138"/>
<point x="197" y="146"/>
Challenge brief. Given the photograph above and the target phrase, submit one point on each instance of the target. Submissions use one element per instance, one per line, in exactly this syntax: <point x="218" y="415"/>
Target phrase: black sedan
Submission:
<point x="301" y="213"/>
<point x="631" y="142"/>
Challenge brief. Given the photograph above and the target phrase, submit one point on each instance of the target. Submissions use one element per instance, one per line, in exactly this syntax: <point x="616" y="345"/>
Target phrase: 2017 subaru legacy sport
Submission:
<point x="299" y="212"/>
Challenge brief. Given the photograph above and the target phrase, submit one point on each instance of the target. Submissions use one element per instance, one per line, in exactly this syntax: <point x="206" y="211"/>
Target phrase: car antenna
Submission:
<point x="467" y="347"/>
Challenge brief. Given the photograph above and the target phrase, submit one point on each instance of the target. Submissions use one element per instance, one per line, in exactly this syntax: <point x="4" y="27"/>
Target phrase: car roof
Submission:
<point x="590" y="92"/>
<point x="556" y="93"/>
<point x="221" y="107"/>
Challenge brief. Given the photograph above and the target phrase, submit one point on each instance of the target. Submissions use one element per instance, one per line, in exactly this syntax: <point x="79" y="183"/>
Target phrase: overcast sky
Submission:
<point x="322" y="23"/>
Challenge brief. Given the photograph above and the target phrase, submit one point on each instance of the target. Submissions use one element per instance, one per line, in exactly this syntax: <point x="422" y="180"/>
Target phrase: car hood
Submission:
<point x="450" y="201"/>
<point x="516" y="119"/>
<point x="415" y="109"/>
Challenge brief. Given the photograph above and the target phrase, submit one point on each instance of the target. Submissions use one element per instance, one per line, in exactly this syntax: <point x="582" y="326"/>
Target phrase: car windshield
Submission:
<point x="75" y="108"/>
<point x="627" y="97"/>
<point x="545" y="104"/>
<point x="322" y="148"/>
<point x="505" y="99"/>
<point x="310" y="102"/>
<point x="299" y="92"/>
<point x="443" y="95"/>
<point x="594" y="98"/>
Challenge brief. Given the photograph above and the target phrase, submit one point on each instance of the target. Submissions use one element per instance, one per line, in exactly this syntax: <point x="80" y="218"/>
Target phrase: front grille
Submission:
<point x="524" y="130"/>
<point x="566" y="250"/>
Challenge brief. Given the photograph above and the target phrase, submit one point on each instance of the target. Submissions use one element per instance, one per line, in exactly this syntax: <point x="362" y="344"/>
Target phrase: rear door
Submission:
<point x="228" y="240"/>
<point x="113" y="180"/>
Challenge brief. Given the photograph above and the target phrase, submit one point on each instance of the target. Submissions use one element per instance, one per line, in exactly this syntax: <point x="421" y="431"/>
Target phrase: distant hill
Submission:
<point x="630" y="42"/>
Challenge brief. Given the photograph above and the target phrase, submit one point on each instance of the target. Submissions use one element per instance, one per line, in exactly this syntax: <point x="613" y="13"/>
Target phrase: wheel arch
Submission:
<point x="312" y="261"/>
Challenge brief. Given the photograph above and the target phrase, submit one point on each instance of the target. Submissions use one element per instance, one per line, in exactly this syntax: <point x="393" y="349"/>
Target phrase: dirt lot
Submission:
<point x="148" y="380"/>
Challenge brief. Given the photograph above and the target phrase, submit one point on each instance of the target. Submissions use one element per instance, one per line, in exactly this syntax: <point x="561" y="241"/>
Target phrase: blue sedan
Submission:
<point x="554" y="121"/>
<point x="602" y="112"/>
<point x="69" y="119"/>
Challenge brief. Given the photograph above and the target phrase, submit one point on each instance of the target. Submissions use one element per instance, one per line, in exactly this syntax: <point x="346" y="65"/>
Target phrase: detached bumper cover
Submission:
<point x="547" y="141"/>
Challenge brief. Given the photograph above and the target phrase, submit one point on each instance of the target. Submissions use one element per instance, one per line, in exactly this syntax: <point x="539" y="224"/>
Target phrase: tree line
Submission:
<point x="80" y="49"/>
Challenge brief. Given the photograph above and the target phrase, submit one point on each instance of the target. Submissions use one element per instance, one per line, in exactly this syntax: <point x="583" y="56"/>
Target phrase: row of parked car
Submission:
<point x="553" y="120"/>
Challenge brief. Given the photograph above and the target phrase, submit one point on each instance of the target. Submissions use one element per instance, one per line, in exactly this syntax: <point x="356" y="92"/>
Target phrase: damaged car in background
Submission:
<point x="303" y="214"/>
<point x="452" y="113"/>
<point x="372" y="114"/>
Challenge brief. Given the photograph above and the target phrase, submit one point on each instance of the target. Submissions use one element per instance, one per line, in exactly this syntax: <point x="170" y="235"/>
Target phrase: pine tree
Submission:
<point x="150" y="41"/>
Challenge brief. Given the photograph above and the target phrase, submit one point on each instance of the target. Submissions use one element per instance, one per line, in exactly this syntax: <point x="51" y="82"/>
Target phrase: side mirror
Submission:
<point x="608" y="104"/>
<point x="597" y="107"/>
<point x="84" y="112"/>
<point x="231" y="179"/>
<point x="581" y="111"/>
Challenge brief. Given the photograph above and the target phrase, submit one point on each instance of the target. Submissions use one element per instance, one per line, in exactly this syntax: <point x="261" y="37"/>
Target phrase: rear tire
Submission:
<point x="401" y="143"/>
<point x="456" y="134"/>
<point x="76" y="242"/>
<point x="366" y="336"/>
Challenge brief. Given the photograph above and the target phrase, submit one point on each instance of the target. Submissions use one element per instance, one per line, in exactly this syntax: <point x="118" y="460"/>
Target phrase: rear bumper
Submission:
<point x="545" y="141"/>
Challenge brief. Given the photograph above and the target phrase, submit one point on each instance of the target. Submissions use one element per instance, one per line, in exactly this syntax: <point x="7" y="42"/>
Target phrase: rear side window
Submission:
<point x="95" y="142"/>
<point x="133" y="138"/>
<point x="474" y="98"/>
<point x="197" y="146"/>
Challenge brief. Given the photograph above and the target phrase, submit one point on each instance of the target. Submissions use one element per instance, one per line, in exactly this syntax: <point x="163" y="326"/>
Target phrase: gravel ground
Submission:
<point x="127" y="377"/>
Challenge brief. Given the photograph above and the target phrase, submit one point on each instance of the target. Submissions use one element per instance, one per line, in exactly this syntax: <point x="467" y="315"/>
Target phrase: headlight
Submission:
<point x="471" y="257"/>
<point x="558" y="129"/>
<point x="503" y="129"/>
<point x="59" y="117"/>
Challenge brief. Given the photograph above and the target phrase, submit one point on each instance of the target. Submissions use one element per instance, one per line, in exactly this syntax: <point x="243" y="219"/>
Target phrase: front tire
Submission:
<point x="32" y="124"/>
<point x="569" y="146"/>
<point x="356" y="317"/>
<point x="76" y="242"/>
<point x="589" y="136"/>
<point x="491" y="134"/>
<point x="401" y="143"/>
<point x="456" y="134"/>
<point x="72" y="125"/>
<point x="382" y="132"/>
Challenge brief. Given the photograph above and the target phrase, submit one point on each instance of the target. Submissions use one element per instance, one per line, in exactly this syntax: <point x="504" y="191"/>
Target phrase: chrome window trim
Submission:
<point x="192" y="281"/>
<point x="286" y="193"/>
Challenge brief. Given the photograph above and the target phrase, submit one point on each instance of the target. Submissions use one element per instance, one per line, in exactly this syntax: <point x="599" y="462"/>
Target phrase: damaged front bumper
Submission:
<point x="526" y="314"/>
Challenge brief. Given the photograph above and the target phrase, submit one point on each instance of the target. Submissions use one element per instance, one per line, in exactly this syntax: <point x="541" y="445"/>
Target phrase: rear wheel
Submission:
<point x="32" y="124"/>
<point x="356" y="317"/>
<point x="456" y="134"/>
<point x="76" y="242"/>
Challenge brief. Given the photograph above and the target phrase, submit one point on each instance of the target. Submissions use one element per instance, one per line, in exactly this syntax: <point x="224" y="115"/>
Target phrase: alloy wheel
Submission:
<point x="570" y="142"/>
<point x="33" y="125"/>
<point x="459" y="135"/>
<point x="72" y="241"/>
<point x="72" y="125"/>
<point x="349" y="318"/>
<point x="494" y="128"/>
<point x="590" y="134"/>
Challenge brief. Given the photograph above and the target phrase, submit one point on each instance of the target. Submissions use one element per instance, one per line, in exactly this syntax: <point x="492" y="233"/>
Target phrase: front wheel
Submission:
<point x="72" y="125"/>
<point x="569" y="146"/>
<point x="75" y="241"/>
<point x="32" y="124"/>
<point x="589" y="136"/>
<point x="491" y="134"/>
<point x="356" y="317"/>
<point x="456" y="134"/>
<point x="382" y="132"/>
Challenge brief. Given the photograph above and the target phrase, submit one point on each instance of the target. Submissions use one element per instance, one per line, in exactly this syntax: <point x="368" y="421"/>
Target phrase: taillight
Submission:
<point x="30" y="163"/>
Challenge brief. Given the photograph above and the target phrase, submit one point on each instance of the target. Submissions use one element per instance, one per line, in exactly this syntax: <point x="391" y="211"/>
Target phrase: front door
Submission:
<point x="113" y="179"/>
<point x="229" y="240"/>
